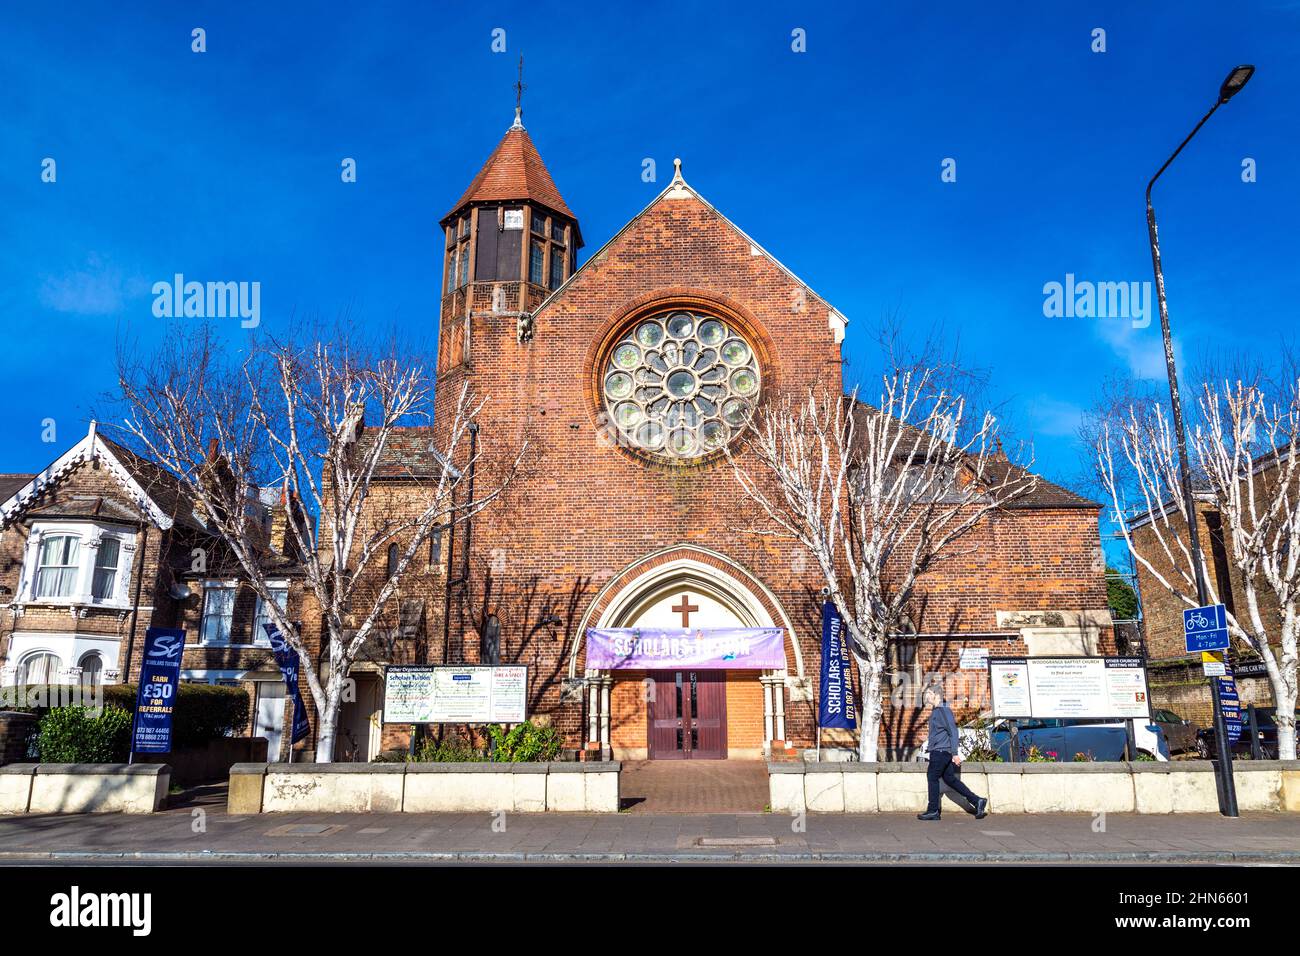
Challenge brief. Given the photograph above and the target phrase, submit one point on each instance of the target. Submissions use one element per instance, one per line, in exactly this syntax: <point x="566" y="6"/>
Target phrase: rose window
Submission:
<point x="680" y="385"/>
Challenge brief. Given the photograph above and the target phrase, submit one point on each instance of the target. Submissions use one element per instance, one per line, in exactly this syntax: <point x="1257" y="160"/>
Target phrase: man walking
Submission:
<point x="945" y="757"/>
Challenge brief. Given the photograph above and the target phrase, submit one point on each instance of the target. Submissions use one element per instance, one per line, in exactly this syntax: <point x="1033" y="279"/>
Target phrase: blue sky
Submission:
<point x="225" y="166"/>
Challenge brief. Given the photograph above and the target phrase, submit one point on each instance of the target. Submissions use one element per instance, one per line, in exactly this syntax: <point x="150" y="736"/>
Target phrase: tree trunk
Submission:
<point x="1284" y="715"/>
<point x="871" y="711"/>
<point x="327" y="729"/>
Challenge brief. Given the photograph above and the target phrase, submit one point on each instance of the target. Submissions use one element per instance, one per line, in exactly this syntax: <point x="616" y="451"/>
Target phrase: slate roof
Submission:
<point x="1045" y="495"/>
<point x="514" y="171"/>
<point x="89" y="506"/>
<point x="164" y="488"/>
<point x="408" y="453"/>
<point x="9" y="484"/>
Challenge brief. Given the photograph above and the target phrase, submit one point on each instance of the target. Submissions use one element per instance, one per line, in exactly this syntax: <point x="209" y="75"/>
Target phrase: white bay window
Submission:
<point x="78" y="562"/>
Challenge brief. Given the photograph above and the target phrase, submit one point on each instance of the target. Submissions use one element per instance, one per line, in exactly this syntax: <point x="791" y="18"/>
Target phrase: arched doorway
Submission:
<point x="662" y="703"/>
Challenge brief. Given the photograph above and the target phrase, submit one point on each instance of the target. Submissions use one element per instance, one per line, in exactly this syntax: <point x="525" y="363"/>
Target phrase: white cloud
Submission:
<point x="1141" y="350"/>
<point x="99" y="289"/>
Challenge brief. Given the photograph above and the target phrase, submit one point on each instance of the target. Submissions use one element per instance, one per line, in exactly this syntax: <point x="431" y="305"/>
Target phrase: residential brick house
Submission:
<point x="627" y="377"/>
<point x="1176" y="678"/>
<point x="103" y="544"/>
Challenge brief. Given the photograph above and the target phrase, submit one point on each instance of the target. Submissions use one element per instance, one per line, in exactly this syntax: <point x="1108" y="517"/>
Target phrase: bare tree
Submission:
<point x="313" y="420"/>
<point x="1243" y="451"/>
<point x="879" y="497"/>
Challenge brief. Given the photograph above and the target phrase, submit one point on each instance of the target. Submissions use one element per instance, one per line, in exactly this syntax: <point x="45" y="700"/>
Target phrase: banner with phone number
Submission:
<point x="155" y="699"/>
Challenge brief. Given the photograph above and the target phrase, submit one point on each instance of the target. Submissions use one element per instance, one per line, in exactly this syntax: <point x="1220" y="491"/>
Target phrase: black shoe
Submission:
<point x="928" y="815"/>
<point x="981" y="808"/>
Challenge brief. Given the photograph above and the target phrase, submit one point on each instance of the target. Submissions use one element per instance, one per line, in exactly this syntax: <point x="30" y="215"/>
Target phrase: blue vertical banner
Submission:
<point x="835" y="706"/>
<point x="155" y="698"/>
<point x="286" y="658"/>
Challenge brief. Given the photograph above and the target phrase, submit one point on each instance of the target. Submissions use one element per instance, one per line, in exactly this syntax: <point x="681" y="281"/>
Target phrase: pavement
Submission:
<point x="197" y="830"/>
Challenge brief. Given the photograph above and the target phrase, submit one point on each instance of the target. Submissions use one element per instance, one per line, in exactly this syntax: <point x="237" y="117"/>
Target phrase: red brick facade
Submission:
<point x="591" y="514"/>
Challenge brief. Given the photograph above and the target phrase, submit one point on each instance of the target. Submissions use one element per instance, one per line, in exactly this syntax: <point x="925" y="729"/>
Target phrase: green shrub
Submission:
<point x="76" y="735"/>
<point x="202" y="712"/>
<point x="524" y="743"/>
<point x="452" y="749"/>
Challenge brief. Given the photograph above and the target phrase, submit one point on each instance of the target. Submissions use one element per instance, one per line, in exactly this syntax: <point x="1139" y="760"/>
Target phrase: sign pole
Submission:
<point x="1206" y="628"/>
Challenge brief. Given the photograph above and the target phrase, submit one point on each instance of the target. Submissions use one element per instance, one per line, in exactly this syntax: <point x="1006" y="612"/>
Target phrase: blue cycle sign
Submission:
<point x="1206" y="628"/>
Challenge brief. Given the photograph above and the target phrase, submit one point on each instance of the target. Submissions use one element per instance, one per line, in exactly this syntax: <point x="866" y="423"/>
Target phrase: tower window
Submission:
<point x="464" y="265"/>
<point x="535" y="256"/>
<point x="539" y="224"/>
<point x="557" y="230"/>
<point x="451" y="270"/>
<point x="557" y="268"/>
<point x="464" y="227"/>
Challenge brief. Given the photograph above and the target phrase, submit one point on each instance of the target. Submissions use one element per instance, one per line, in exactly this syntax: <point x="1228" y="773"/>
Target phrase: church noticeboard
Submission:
<point x="455" y="695"/>
<point x="1110" y="688"/>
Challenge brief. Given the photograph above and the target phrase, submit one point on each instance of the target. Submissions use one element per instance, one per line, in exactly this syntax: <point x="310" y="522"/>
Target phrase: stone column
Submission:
<point x="768" y="726"/>
<point x="778" y="697"/>
<point x="593" y="708"/>
<point x="606" y="687"/>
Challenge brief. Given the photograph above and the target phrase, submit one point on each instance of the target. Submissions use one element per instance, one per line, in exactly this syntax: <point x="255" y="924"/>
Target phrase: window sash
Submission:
<point x="535" y="264"/>
<point x="218" y="615"/>
<point x="281" y="597"/>
<point x="57" y="565"/>
<point x="107" y="562"/>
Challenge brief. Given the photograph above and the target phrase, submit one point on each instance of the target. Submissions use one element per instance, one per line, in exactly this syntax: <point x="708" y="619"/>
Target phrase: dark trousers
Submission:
<point x="942" y="768"/>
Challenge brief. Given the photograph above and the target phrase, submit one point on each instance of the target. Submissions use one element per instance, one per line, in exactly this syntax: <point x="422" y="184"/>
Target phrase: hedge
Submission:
<point x="203" y="711"/>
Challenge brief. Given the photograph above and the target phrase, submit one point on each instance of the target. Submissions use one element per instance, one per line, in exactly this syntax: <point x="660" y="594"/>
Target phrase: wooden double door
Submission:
<point x="688" y="715"/>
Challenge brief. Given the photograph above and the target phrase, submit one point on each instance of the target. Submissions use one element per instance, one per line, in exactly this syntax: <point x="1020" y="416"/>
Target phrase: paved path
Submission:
<point x="644" y="838"/>
<point x="693" y="786"/>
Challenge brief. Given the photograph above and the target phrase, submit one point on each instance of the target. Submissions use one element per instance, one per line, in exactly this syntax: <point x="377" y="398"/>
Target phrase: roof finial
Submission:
<point x="677" y="171"/>
<point x="519" y="96"/>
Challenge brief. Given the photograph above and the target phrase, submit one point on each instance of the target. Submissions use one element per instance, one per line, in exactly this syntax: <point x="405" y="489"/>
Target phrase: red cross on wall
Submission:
<point x="686" y="607"/>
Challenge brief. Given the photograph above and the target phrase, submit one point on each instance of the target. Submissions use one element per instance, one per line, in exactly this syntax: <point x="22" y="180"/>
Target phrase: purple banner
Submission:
<point x="714" y="648"/>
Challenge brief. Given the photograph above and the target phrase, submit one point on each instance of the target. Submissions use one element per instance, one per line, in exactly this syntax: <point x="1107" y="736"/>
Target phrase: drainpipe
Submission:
<point x="135" y="608"/>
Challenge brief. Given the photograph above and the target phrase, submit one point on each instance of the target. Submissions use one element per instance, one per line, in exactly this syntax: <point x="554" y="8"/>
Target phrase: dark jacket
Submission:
<point x="943" y="731"/>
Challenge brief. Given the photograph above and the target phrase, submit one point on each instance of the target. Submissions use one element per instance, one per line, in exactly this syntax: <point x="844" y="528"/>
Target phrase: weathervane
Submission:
<point x="519" y="96"/>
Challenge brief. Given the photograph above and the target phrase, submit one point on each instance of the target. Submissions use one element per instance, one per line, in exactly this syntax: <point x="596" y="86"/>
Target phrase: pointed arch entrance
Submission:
<point x="708" y="710"/>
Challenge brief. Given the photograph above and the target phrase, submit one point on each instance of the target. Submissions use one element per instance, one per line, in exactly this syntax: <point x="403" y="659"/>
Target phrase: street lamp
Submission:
<point x="1231" y="86"/>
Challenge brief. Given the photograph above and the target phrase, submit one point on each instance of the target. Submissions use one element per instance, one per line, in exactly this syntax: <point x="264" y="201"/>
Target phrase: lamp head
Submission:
<point x="1237" y="79"/>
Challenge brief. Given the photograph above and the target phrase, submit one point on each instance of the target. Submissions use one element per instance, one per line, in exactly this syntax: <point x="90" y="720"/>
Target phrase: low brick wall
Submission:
<point x="587" y="787"/>
<point x="83" y="787"/>
<point x="1139" y="787"/>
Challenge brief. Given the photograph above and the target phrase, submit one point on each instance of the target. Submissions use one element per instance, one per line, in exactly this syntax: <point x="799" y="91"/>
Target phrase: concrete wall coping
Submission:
<point x="261" y="769"/>
<point x="476" y="767"/>
<point x="585" y="766"/>
<point x="348" y="767"/>
<point x="1000" y="767"/>
<point x="26" y="769"/>
<point x="104" y="769"/>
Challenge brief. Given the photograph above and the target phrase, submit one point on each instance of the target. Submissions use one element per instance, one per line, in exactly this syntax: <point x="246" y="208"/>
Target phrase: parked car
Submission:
<point x="1100" y="740"/>
<point x="1184" y="736"/>
<point x="1266" y="727"/>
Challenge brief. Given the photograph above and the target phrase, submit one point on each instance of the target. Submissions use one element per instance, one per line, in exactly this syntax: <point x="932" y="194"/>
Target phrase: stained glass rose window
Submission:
<point x="680" y="385"/>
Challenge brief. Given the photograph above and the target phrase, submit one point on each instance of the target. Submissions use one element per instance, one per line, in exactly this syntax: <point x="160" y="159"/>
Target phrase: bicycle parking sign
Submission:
<point x="1206" y="628"/>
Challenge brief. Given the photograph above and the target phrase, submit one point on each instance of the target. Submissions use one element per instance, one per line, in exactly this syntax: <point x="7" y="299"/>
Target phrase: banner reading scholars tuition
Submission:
<point x="155" y="698"/>
<point x="835" y="708"/>
<point x="1065" y="687"/>
<point x="418" y="694"/>
<point x="713" y="648"/>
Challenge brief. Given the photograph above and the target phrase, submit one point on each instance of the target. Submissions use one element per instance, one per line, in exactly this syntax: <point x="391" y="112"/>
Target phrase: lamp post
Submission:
<point x="1230" y="88"/>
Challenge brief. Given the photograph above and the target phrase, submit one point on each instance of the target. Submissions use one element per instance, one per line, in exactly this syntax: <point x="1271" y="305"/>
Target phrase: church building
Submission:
<point x="629" y="374"/>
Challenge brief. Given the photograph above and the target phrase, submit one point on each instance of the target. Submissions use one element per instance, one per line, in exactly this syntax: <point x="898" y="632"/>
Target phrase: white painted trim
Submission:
<point x="89" y="448"/>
